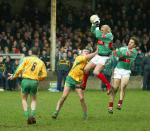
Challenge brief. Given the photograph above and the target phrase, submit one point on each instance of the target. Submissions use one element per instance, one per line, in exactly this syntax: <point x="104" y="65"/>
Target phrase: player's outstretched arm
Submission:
<point x="18" y="71"/>
<point x="91" y="55"/>
<point x="95" y="21"/>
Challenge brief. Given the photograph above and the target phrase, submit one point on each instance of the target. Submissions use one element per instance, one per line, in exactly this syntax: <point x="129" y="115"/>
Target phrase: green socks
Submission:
<point x="55" y="114"/>
<point x="85" y="116"/>
<point x="26" y="114"/>
<point x="32" y="112"/>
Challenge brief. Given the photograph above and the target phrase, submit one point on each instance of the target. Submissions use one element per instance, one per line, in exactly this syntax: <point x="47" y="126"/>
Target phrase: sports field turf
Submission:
<point x="135" y="115"/>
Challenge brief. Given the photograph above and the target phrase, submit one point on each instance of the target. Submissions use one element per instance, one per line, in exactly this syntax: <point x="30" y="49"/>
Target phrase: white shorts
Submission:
<point x="99" y="59"/>
<point x="119" y="73"/>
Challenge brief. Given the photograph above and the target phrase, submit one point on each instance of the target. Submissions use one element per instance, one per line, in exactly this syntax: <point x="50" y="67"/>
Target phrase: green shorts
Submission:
<point x="29" y="86"/>
<point x="70" y="82"/>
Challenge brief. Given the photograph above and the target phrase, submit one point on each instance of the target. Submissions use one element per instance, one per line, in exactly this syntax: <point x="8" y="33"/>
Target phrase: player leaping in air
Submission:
<point x="104" y="44"/>
<point x="74" y="80"/>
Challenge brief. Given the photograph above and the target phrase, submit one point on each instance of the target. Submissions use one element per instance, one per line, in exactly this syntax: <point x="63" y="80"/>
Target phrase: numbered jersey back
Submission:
<point x="33" y="67"/>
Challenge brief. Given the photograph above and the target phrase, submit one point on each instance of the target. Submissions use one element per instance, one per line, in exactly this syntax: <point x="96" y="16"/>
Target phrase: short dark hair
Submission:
<point x="86" y="50"/>
<point x="35" y="50"/>
<point x="136" y="41"/>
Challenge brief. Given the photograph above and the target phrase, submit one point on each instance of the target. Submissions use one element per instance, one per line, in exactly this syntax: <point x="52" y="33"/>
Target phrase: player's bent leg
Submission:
<point x="25" y="90"/>
<point x="115" y="85"/>
<point x="33" y="105"/>
<point x="124" y="83"/>
<point x="111" y="102"/>
<point x="101" y="76"/>
<point x="98" y="68"/>
<point x="114" y="88"/>
<point x="25" y="104"/>
<point x="33" y="109"/>
<point x="25" y="108"/>
<point x="63" y="98"/>
<point x="87" y="69"/>
<point x="82" y="101"/>
<point x="32" y="89"/>
<point x="60" y="102"/>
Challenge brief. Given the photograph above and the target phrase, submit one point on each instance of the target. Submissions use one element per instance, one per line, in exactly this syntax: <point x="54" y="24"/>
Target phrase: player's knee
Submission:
<point x="86" y="70"/>
<point x="123" y="88"/>
<point x="95" y="72"/>
<point x="115" y="90"/>
<point x="81" y="99"/>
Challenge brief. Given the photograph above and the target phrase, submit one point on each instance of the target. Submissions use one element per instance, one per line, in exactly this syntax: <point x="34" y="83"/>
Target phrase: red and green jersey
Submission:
<point x="104" y="41"/>
<point x="126" y="57"/>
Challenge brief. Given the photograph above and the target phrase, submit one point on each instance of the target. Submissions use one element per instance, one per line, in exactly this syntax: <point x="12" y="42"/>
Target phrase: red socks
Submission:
<point x="85" y="77"/>
<point x="104" y="80"/>
<point x="111" y="104"/>
<point x="100" y="76"/>
<point x="120" y="102"/>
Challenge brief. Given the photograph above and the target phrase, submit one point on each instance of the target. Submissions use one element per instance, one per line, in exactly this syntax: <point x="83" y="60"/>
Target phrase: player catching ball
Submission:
<point x="122" y="71"/>
<point x="74" y="80"/>
<point x="32" y="70"/>
<point x="104" y="44"/>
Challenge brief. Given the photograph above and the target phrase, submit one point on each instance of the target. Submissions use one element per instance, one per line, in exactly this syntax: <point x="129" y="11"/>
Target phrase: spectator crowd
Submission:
<point x="20" y="32"/>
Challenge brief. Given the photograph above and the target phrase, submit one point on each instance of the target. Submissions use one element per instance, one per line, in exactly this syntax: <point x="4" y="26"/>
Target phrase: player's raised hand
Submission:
<point x="95" y="20"/>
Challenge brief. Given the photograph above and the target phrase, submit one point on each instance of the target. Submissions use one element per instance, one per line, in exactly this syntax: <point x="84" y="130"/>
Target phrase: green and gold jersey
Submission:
<point x="2" y="67"/>
<point x="76" y="71"/>
<point x="63" y="65"/>
<point x="31" y="67"/>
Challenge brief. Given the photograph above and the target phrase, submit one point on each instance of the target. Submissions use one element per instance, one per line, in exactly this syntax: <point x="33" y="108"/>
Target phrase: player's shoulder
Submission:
<point x="31" y="58"/>
<point x="38" y="59"/>
<point x="25" y="58"/>
<point x="135" y="51"/>
<point x="81" y="57"/>
<point x="124" y="48"/>
<point x="110" y="36"/>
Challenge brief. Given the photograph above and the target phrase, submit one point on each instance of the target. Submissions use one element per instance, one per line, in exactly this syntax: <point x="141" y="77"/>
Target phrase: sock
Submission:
<point x="85" y="77"/>
<point x="120" y="102"/>
<point x="26" y="114"/>
<point x="32" y="112"/>
<point x="56" y="112"/>
<point x="111" y="105"/>
<point x="84" y="115"/>
<point x="104" y="80"/>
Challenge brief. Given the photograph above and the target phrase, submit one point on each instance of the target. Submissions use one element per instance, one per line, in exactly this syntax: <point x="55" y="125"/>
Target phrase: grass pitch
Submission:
<point x="134" y="116"/>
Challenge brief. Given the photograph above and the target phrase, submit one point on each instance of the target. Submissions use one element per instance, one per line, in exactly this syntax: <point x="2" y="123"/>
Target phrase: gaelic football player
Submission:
<point x="74" y="80"/>
<point x="104" y="44"/>
<point x="122" y="71"/>
<point x="32" y="70"/>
